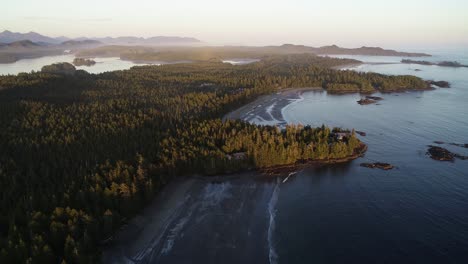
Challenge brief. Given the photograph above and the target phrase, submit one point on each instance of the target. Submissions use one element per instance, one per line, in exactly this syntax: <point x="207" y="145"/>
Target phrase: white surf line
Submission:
<point x="292" y="102"/>
<point x="269" y="109"/>
<point x="212" y="196"/>
<point x="208" y="200"/>
<point x="174" y="233"/>
<point x="260" y="121"/>
<point x="151" y="247"/>
<point x="272" y="255"/>
<point x="289" y="175"/>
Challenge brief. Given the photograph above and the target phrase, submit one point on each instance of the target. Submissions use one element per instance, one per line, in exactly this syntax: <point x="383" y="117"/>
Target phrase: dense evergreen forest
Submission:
<point x="82" y="153"/>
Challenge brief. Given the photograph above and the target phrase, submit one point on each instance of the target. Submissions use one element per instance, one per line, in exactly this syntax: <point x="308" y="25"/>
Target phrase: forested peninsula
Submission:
<point x="170" y="54"/>
<point x="453" y="64"/>
<point x="82" y="153"/>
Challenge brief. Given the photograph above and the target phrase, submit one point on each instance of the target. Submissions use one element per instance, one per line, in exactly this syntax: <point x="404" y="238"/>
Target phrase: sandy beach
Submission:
<point x="267" y="109"/>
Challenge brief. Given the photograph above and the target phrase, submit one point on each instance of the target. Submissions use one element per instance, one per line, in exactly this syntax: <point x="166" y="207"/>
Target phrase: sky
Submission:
<point x="349" y="23"/>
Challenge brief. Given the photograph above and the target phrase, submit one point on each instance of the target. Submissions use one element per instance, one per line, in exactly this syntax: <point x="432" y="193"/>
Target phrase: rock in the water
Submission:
<point x="361" y="133"/>
<point x="376" y="98"/>
<point x="366" y="101"/>
<point x="441" y="84"/>
<point x="459" y="145"/>
<point x="438" y="153"/>
<point x="458" y="156"/>
<point x="378" y="165"/>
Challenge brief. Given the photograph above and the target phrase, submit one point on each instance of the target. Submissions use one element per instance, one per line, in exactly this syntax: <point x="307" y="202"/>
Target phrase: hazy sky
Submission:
<point x="389" y="23"/>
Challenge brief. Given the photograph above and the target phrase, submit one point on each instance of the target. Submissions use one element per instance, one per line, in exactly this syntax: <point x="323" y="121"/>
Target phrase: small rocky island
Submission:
<point x="378" y="165"/>
<point x="369" y="100"/>
<point x="83" y="62"/>
<point x="442" y="154"/>
<point x="365" y="101"/>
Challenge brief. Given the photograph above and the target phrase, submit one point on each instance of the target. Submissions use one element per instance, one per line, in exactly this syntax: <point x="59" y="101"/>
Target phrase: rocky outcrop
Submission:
<point x="375" y="98"/>
<point x="378" y="165"/>
<point x="361" y="133"/>
<point x="442" y="154"/>
<point x="366" y="101"/>
<point x="441" y="84"/>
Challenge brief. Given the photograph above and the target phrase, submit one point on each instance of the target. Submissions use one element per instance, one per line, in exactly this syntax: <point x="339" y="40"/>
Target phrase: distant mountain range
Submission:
<point x="21" y="44"/>
<point x="28" y="44"/>
<point x="367" y="51"/>
<point x="9" y="37"/>
<point x="147" y="41"/>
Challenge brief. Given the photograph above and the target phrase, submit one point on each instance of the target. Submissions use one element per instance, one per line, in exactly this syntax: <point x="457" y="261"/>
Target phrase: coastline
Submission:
<point x="267" y="109"/>
<point x="282" y="169"/>
<point x="353" y="65"/>
<point x="345" y="66"/>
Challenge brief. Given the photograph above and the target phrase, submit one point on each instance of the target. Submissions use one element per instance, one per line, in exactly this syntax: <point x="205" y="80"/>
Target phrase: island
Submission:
<point x="454" y="64"/>
<point x="442" y="154"/>
<point x="378" y="165"/>
<point x="83" y="62"/>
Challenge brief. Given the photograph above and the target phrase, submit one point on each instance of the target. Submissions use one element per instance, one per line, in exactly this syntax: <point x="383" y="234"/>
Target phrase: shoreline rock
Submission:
<point x="361" y="133"/>
<point x="366" y="101"/>
<point x="440" y="84"/>
<point x="375" y="98"/>
<point x="459" y="145"/>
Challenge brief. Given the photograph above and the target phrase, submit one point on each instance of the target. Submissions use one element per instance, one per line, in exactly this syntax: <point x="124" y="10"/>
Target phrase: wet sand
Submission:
<point x="267" y="109"/>
<point x="200" y="220"/>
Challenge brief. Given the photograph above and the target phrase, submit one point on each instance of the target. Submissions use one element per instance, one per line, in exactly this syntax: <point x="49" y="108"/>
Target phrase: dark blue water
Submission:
<point x="416" y="213"/>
